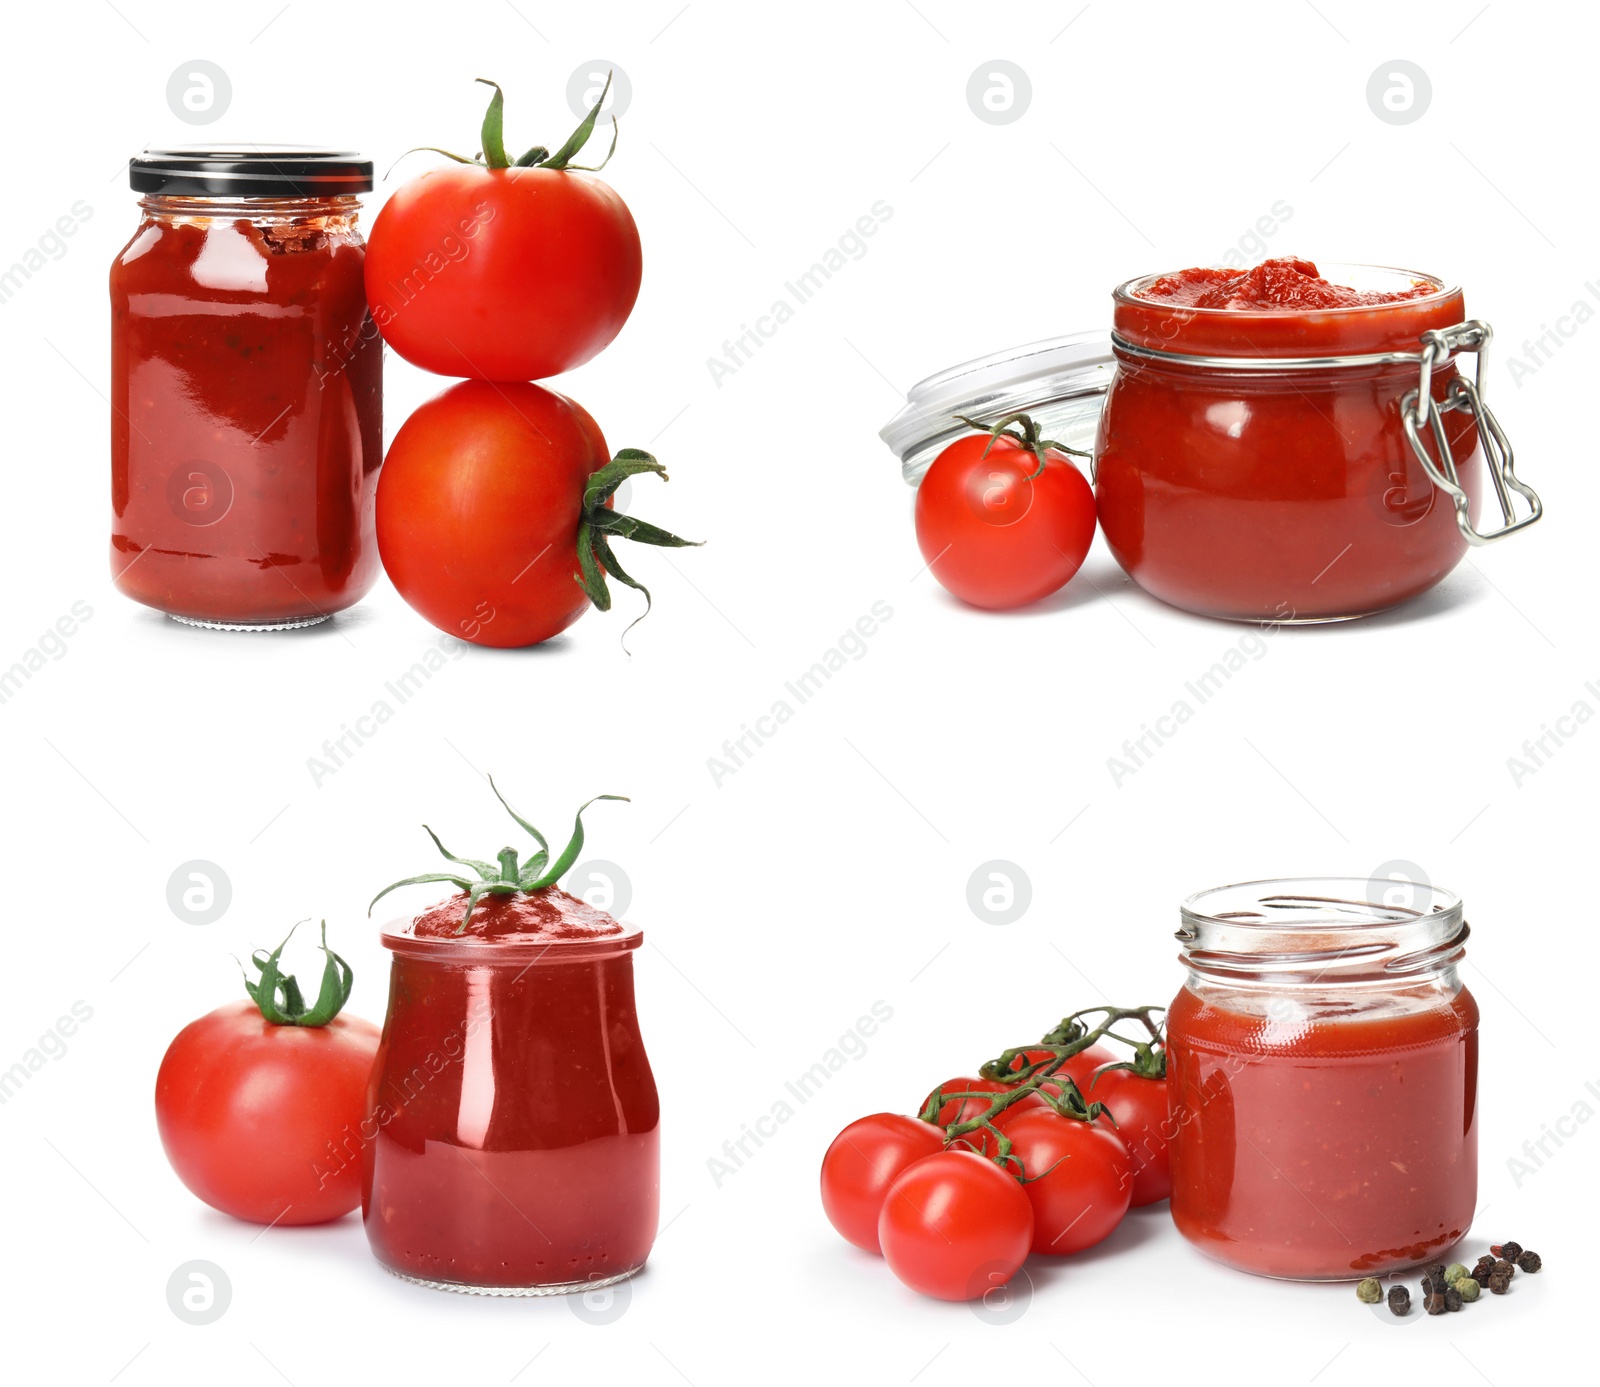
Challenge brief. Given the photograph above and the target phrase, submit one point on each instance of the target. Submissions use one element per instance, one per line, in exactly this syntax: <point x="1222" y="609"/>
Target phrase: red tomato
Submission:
<point x="1079" y="1178"/>
<point x="995" y="535"/>
<point x="955" y="1225"/>
<point x="1140" y="1108"/>
<point x="256" y="1117"/>
<point x="478" y="508"/>
<point x="507" y="274"/>
<point x="863" y="1162"/>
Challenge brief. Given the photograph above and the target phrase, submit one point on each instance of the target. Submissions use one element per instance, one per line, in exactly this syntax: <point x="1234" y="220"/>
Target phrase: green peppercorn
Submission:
<point x="1454" y="1272"/>
<point x="1434" y="1303"/>
<point x="1468" y="1289"/>
<point x="1399" y="1300"/>
<point x="1369" y="1292"/>
<point x="1530" y="1261"/>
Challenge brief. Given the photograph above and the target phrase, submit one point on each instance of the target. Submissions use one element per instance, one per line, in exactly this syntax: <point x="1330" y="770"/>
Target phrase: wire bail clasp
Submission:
<point x="1420" y="410"/>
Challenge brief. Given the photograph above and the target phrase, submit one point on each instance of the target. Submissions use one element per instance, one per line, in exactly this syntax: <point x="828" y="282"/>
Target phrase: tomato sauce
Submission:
<point x="1265" y="492"/>
<point x="247" y="423"/>
<point x="1274" y="285"/>
<point x="516" y="1127"/>
<point x="1323" y="1146"/>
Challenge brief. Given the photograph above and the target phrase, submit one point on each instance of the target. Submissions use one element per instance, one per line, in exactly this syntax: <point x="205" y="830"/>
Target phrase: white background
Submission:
<point x="830" y="872"/>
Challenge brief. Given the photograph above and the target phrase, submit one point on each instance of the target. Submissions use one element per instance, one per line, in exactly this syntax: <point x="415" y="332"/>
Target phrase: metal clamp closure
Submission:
<point x="1419" y="410"/>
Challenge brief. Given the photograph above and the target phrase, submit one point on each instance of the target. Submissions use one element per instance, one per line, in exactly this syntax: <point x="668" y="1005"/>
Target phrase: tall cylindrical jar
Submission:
<point x="1323" y="1070"/>
<point x="246" y="389"/>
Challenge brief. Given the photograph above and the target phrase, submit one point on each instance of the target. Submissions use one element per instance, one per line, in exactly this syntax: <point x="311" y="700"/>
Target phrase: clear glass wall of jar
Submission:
<point x="513" y="1138"/>
<point x="246" y="380"/>
<point x="1323" y="1070"/>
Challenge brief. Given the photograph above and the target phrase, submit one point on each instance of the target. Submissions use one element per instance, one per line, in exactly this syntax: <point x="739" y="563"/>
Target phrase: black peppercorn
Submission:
<point x="1482" y="1272"/>
<point x="1530" y="1261"/>
<point x="1487" y="1260"/>
<point x="1498" y="1284"/>
<point x="1510" y="1251"/>
<point x="1399" y="1300"/>
<point x="1503" y="1268"/>
<point x="1434" y="1303"/>
<point x="1452" y="1299"/>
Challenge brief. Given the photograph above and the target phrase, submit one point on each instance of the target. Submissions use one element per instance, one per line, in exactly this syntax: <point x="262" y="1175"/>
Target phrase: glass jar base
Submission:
<point x="558" y="1288"/>
<point x="293" y="624"/>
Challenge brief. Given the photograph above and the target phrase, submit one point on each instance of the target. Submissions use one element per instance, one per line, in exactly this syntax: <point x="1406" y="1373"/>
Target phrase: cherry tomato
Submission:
<point x="995" y="535"/>
<point x="1079" y="1178"/>
<point x="1140" y="1108"/>
<point x="863" y="1162"/>
<point x="501" y="269"/>
<point x="256" y="1117"/>
<point x="955" y="1225"/>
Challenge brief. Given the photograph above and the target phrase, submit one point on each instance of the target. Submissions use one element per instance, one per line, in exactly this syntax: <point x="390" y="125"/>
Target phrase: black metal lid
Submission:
<point x="250" y="171"/>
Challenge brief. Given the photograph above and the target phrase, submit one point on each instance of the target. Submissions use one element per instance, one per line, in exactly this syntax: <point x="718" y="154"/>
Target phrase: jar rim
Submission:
<point x="1324" y="929"/>
<point x="1337" y="271"/>
<point x="399" y="937"/>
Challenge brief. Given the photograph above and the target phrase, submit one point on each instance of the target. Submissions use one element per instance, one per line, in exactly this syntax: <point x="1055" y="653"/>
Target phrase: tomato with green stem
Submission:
<point x="1003" y="518"/>
<point x="258" y="1101"/>
<point x="861" y="1164"/>
<point x="495" y="514"/>
<point x="954" y="1226"/>
<point x="504" y="269"/>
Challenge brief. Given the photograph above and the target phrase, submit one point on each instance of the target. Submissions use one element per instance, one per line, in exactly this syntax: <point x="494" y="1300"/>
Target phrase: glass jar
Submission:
<point x="515" y="1129"/>
<point x="246" y="389"/>
<point x="1298" y="465"/>
<point x="1322" y="1062"/>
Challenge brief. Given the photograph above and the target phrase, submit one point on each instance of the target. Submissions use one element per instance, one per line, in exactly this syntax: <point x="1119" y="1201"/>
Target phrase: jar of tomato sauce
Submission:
<point x="1322" y="1063"/>
<point x="246" y="389"/>
<point x="1281" y="446"/>
<point x="514" y="1126"/>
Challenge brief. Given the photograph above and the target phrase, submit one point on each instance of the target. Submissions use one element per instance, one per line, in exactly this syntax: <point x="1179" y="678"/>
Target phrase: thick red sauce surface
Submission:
<point x="246" y="421"/>
<point x="1284" y="285"/>
<point x="1323" y="1149"/>
<point x="545" y="916"/>
<point x="514" y="1129"/>
<point x="1276" y="495"/>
